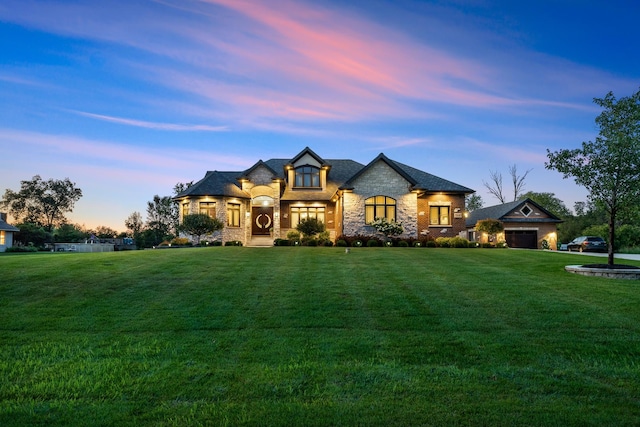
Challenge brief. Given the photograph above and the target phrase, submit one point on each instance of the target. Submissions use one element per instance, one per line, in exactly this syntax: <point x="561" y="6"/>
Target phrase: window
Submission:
<point x="379" y="207"/>
<point x="233" y="215"/>
<point x="208" y="208"/>
<point x="303" y="212"/>
<point x="439" y="215"/>
<point x="2" y="238"/>
<point x="185" y="209"/>
<point x="526" y="210"/>
<point x="307" y="176"/>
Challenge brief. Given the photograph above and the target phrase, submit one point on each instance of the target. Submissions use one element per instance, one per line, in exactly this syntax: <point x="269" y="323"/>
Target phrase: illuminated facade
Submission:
<point x="272" y="197"/>
<point x="526" y="225"/>
<point x="6" y="233"/>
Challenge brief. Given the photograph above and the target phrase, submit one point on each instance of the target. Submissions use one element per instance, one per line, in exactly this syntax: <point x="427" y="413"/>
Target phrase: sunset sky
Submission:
<point x="127" y="98"/>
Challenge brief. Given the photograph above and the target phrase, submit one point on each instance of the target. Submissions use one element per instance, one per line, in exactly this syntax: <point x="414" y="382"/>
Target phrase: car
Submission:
<point x="587" y="244"/>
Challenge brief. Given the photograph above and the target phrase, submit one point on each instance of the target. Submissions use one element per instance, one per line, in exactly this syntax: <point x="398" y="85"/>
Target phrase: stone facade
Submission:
<point x="282" y="192"/>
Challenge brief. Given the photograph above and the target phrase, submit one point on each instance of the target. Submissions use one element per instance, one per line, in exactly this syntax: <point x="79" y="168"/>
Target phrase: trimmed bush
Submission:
<point x="431" y="244"/>
<point x="443" y="242"/>
<point x="357" y="243"/>
<point x="341" y="243"/>
<point x="403" y="244"/>
<point x="459" y="242"/>
<point x="372" y="243"/>
<point x="417" y="244"/>
<point x="22" y="249"/>
<point x="233" y="243"/>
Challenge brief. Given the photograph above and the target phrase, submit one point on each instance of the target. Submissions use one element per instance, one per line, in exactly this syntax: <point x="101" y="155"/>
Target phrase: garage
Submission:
<point x="525" y="239"/>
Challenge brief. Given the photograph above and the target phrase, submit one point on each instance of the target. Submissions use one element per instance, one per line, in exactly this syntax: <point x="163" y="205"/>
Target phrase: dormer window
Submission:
<point x="307" y="177"/>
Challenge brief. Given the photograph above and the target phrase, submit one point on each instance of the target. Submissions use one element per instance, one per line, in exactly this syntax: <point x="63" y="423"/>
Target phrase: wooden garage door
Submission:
<point x="527" y="239"/>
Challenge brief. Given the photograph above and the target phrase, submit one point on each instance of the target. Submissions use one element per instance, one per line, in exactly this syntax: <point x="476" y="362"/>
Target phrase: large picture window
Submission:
<point x="208" y="208"/>
<point x="440" y="215"/>
<point x="233" y="214"/>
<point x="307" y="176"/>
<point x="379" y="207"/>
<point x="299" y="213"/>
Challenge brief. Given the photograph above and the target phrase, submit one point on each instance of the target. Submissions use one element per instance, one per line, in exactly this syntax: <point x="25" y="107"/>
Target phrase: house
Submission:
<point x="6" y="233"/>
<point x="526" y="224"/>
<point x="271" y="197"/>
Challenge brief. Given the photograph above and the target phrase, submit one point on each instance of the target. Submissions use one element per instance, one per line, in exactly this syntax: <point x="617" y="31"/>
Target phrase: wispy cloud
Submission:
<point x="154" y="125"/>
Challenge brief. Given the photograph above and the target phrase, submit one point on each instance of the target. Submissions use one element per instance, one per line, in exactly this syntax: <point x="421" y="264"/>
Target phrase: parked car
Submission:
<point x="587" y="244"/>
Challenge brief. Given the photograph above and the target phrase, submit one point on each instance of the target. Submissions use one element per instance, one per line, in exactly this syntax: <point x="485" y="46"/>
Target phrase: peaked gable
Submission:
<point x="215" y="183"/>
<point x="381" y="158"/>
<point x="525" y="210"/>
<point x="307" y="156"/>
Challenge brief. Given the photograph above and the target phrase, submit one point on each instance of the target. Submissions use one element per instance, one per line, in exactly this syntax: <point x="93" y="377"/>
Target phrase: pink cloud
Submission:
<point x="153" y="125"/>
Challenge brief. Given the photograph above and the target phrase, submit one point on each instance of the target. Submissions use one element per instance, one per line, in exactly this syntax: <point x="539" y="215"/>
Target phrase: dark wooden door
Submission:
<point x="261" y="220"/>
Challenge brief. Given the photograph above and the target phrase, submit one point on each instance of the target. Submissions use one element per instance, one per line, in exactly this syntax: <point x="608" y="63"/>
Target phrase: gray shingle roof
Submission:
<point x="7" y="227"/>
<point x="341" y="174"/>
<point x="500" y="211"/>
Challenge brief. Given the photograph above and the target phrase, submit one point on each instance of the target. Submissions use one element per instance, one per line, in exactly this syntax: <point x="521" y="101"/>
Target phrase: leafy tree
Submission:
<point x="104" y="232"/>
<point x="489" y="226"/>
<point x="197" y="225"/>
<point x="42" y="202"/>
<point x="473" y="202"/>
<point x="609" y="167"/>
<point x="70" y="233"/>
<point x="135" y="224"/>
<point x="161" y="217"/>
<point x="31" y="234"/>
<point x="550" y="202"/>
<point x="309" y="227"/>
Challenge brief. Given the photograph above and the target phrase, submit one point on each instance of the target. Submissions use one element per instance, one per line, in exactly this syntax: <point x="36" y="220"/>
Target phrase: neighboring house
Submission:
<point x="270" y="198"/>
<point x="526" y="224"/>
<point x="6" y="233"/>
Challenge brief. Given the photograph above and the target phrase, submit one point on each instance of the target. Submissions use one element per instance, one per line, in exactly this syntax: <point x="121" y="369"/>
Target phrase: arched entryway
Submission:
<point x="261" y="216"/>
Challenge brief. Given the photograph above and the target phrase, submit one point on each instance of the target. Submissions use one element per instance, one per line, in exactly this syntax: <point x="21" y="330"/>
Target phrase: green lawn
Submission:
<point x="313" y="336"/>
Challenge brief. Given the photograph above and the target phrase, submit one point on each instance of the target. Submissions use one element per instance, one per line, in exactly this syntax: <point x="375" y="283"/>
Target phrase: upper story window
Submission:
<point x="208" y="208"/>
<point x="307" y="176"/>
<point x="379" y="207"/>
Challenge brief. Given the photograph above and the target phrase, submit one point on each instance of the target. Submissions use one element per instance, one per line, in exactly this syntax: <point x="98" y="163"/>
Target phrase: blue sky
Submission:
<point x="127" y="98"/>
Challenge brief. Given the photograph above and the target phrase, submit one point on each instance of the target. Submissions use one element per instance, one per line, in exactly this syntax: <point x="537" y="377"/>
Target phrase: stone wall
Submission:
<point x="379" y="180"/>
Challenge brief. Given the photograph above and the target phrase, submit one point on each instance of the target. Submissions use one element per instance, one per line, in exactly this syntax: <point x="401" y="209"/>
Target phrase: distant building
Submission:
<point x="526" y="224"/>
<point x="6" y="233"/>
<point x="271" y="198"/>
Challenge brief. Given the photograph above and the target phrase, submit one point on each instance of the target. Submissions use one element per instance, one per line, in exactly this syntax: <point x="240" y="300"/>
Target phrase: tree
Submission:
<point x="309" y="227"/>
<point x="160" y="218"/>
<point x="550" y="202"/>
<point x="473" y="202"/>
<point x="609" y="167"/>
<point x="134" y="224"/>
<point x="70" y="233"/>
<point x="42" y="202"/>
<point x="495" y="185"/>
<point x="197" y="225"/>
<point x="489" y="226"/>
<point x="104" y="232"/>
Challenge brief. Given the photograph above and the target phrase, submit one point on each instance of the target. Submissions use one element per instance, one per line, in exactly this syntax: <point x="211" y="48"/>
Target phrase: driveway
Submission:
<point x="633" y="257"/>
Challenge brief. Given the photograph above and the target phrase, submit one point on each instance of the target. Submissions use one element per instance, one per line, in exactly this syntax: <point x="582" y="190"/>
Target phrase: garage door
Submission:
<point x="527" y="239"/>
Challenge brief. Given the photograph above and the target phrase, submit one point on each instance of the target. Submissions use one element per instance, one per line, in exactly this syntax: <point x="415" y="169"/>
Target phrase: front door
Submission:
<point x="261" y="220"/>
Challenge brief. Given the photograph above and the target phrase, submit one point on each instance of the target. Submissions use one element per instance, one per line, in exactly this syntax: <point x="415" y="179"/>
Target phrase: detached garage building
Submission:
<point x="526" y="224"/>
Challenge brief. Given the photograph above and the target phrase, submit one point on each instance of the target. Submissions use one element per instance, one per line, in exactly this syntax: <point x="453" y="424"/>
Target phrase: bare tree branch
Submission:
<point x="495" y="186"/>
<point x="518" y="181"/>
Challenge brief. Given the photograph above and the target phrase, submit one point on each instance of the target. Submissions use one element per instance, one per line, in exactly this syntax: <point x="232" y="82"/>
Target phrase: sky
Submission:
<point x="127" y="98"/>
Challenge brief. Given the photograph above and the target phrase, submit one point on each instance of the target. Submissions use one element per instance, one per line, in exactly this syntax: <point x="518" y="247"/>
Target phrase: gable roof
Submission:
<point x="4" y="226"/>
<point x="341" y="174"/>
<point x="418" y="179"/>
<point x="500" y="211"/>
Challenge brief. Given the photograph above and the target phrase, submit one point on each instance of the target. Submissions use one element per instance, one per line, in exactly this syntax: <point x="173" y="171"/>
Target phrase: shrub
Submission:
<point x="281" y="242"/>
<point x="356" y="243"/>
<point x="431" y="244"/>
<point x="22" y="249"/>
<point x="327" y="243"/>
<point x="459" y="242"/>
<point x="310" y="227"/>
<point x="443" y="242"/>
<point x="341" y="243"/>
<point x="310" y="242"/>
<point x="293" y="236"/>
<point x="180" y="241"/>
<point x="417" y="244"/>
<point x="403" y="244"/>
<point x="233" y="243"/>
<point x="372" y="243"/>
<point x="502" y="245"/>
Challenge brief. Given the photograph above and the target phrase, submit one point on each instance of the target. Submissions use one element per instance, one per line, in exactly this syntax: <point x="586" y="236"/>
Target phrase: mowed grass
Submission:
<point x="315" y="337"/>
